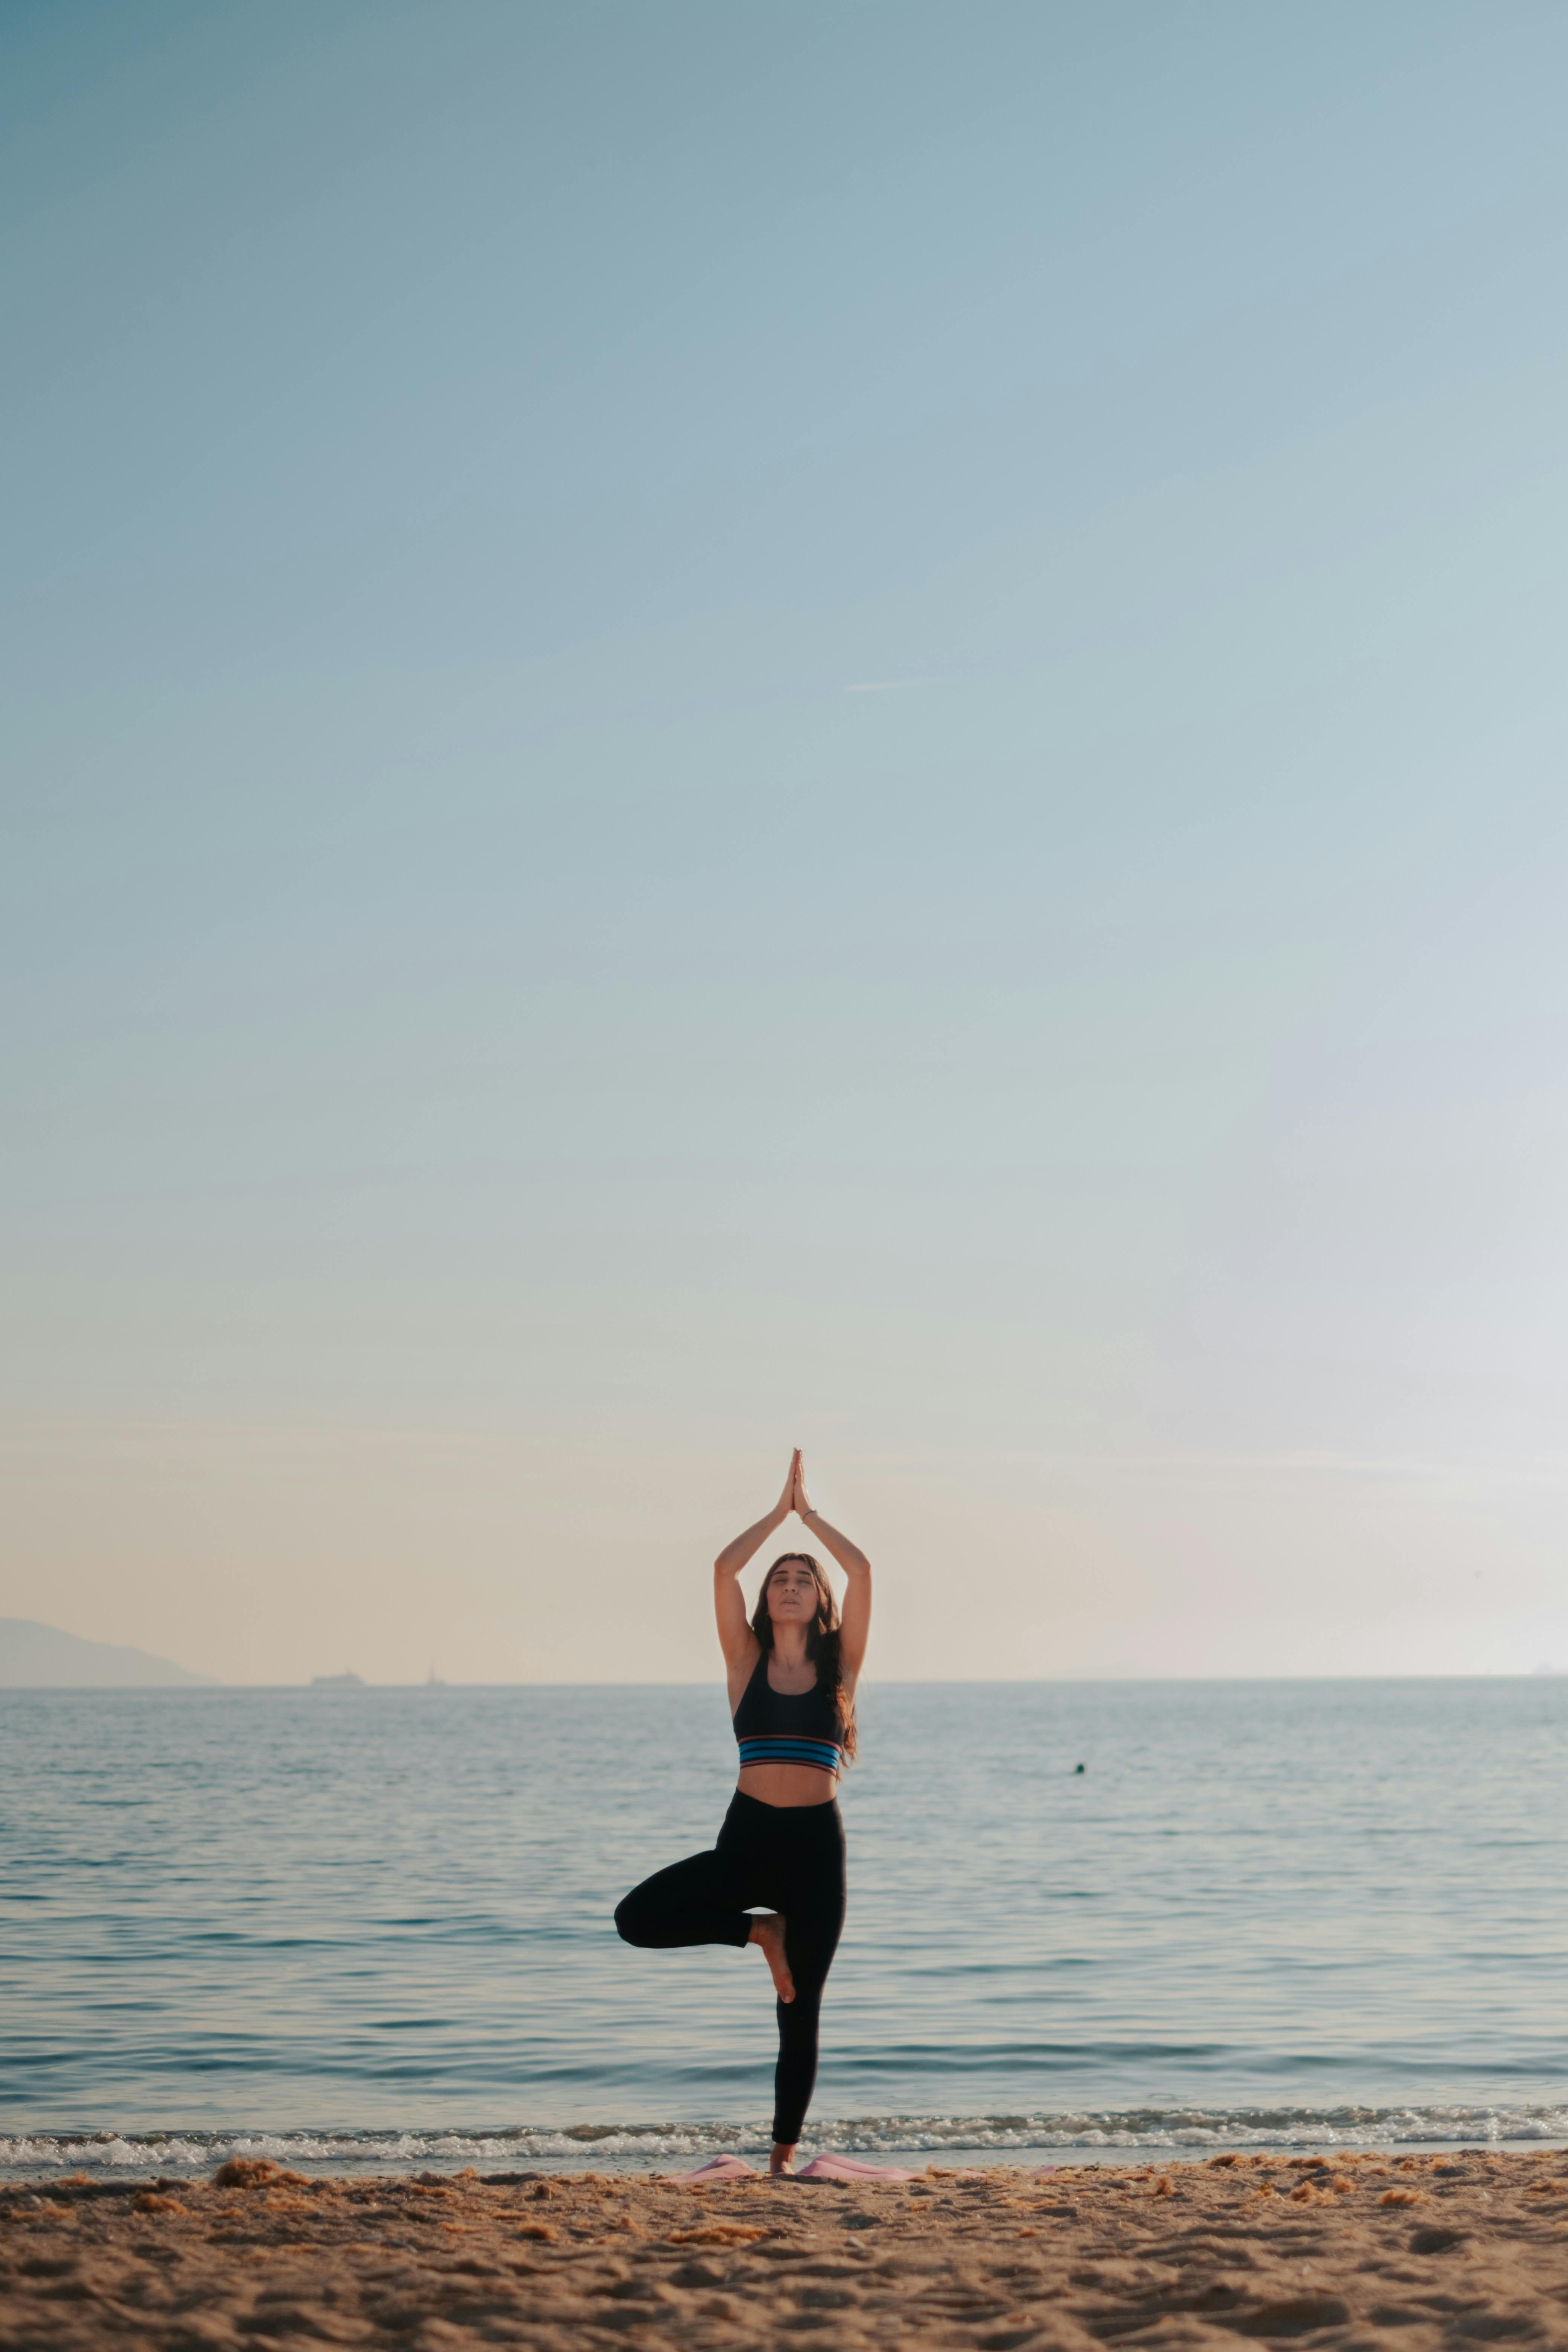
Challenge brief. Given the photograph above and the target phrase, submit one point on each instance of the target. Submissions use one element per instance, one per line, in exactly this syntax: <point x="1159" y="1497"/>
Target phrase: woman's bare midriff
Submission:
<point x="788" y="1784"/>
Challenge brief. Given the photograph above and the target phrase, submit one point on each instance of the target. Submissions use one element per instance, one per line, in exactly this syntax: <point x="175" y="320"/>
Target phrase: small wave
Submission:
<point x="635" y="2147"/>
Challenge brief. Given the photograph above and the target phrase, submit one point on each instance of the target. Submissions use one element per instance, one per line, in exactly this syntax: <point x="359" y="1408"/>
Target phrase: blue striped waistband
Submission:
<point x="821" y="1753"/>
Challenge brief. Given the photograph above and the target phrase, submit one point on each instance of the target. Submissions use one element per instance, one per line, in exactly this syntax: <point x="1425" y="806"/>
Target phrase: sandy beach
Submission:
<point x="1418" y="2251"/>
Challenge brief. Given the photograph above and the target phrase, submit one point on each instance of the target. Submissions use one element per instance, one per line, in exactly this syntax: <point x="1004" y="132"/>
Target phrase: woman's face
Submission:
<point x="793" y="1597"/>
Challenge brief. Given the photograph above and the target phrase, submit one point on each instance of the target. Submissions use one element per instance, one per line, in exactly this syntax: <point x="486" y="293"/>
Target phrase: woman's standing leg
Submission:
<point x="810" y="1892"/>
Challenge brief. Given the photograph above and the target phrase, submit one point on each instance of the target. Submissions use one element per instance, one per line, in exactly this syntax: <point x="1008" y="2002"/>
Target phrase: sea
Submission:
<point x="371" y="1928"/>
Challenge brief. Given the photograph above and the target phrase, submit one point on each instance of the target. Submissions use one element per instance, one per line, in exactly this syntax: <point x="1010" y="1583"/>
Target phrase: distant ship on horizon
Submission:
<point x="337" y="1682"/>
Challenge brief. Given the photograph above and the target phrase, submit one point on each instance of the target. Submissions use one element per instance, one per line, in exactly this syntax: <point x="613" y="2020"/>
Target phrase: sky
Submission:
<point x="733" y="725"/>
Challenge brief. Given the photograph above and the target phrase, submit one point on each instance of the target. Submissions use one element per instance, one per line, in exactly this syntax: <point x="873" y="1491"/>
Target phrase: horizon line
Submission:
<point x="333" y="1686"/>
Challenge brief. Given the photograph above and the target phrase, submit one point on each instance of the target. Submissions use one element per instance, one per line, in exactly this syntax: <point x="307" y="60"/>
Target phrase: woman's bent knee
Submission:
<point x="627" y="1922"/>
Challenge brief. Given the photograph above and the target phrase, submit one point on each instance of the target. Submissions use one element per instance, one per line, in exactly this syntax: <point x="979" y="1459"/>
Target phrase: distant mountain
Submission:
<point x="40" y="1657"/>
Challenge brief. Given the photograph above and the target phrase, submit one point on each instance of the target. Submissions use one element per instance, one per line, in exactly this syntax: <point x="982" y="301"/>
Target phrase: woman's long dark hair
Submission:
<point x="823" y="1645"/>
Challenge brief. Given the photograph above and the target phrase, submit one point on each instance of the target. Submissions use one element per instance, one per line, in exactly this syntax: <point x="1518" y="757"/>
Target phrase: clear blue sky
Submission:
<point x="730" y="725"/>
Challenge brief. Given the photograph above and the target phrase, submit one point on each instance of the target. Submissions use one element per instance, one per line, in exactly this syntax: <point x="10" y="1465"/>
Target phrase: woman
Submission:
<point x="792" y="1671"/>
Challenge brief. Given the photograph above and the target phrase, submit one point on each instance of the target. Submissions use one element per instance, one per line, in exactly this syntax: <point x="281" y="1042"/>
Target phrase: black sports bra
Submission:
<point x="785" y="1727"/>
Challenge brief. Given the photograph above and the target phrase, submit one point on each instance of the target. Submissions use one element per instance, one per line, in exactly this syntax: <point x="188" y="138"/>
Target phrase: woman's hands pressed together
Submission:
<point x="793" y="1489"/>
<point x="800" y="1501"/>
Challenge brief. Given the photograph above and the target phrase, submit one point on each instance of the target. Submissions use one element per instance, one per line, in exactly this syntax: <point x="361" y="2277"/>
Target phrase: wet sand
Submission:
<point x="1413" y="2252"/>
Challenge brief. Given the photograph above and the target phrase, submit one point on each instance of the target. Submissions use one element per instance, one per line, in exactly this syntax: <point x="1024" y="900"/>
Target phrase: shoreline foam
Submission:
<point x="1178" y="2135"/>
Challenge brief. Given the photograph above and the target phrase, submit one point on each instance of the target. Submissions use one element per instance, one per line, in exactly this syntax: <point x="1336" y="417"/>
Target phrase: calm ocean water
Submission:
<point x="375" y="1927"/>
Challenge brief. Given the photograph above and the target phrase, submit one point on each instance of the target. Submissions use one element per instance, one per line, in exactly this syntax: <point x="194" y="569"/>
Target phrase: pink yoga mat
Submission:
<point x="850" y="2169"/>
<point x="846" y="2169"/>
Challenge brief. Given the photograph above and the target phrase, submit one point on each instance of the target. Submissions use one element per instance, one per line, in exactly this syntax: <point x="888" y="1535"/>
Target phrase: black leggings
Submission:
<point x="787" y="1858"/>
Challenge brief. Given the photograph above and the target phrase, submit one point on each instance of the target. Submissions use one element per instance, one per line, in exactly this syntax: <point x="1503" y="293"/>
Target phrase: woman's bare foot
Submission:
<point x="768" y="1930"/>
<point x="782" y="2161"/>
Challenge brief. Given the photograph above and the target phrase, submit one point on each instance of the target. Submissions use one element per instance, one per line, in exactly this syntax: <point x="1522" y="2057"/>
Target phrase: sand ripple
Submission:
<point x="1345" y="2252"/>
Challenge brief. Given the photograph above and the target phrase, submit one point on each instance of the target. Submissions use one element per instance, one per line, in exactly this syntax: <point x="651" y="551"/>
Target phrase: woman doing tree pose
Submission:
<point x="793" y="1671"/>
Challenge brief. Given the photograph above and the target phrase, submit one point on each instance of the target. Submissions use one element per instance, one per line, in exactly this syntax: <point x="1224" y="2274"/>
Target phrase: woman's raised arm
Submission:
<point x="855" y="1616"/>
<point x="735" y="1635"/>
